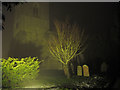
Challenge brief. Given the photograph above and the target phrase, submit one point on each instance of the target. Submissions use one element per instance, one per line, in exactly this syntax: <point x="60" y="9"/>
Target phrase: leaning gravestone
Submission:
<point x="86" y="70"/>
<point x="79" y="70"/>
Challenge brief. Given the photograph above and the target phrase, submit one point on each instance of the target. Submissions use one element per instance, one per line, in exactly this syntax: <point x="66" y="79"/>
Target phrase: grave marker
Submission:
<point x="72" y="68"/>
<point x="79" y="70"/>
<point x="103" y="67"/>
<point x="86" y="70"/>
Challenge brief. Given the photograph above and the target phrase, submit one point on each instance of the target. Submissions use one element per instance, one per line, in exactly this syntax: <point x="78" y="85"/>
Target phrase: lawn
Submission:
<point x="55" y="79"/>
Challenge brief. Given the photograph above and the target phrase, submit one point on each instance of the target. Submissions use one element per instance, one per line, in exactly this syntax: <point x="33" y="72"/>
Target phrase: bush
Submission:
<point x="16" y="71"/>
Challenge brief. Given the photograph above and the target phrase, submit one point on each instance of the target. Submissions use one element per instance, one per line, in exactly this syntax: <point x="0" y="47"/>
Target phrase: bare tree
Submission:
<point x="68" y="43"/>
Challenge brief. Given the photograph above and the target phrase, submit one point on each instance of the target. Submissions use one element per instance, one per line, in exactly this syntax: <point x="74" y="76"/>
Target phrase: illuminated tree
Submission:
<point x="68" y="43"/>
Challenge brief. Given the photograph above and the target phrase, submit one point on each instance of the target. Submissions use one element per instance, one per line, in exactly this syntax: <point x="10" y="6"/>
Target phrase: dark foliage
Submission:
<point x="9" y="6"/>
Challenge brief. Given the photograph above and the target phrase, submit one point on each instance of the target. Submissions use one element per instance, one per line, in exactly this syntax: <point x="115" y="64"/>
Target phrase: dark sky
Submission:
<point x="100" y="20"/>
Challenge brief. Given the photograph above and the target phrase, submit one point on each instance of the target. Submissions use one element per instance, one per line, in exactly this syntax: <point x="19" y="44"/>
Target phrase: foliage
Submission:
<point x="16" y="71"/>
<point x="9" y="6"/>
<point x="68" y="42"/>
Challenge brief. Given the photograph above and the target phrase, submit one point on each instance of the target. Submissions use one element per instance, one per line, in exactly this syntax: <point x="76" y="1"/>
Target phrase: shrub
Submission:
<point x="16" y="71"/>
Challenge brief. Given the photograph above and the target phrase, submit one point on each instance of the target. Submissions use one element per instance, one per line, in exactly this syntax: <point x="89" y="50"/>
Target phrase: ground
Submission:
<point x="55" y="79"/>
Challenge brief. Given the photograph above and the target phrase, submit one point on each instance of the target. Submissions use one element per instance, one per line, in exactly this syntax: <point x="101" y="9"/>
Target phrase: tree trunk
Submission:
<point x="67" y="71"/>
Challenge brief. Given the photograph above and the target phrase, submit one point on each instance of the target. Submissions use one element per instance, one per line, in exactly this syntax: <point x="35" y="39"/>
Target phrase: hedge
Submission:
<point x="16" y="71"/>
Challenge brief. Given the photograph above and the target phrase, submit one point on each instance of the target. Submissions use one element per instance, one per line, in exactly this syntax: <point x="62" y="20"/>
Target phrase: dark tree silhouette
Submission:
<point x="9" y="6"/>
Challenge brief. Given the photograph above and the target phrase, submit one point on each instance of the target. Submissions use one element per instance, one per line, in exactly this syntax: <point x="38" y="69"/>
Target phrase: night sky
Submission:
<point x="99" y="20"/>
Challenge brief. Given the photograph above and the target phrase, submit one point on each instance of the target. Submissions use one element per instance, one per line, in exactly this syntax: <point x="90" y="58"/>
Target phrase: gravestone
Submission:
<point x="79" y="70"/>
<point x="72" y="68"/>
<point x="103" y="67"/>
<point x="86" y="70"/>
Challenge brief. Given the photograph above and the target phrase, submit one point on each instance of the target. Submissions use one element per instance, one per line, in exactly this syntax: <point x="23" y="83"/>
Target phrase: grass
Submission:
<point x="53" y="79"/>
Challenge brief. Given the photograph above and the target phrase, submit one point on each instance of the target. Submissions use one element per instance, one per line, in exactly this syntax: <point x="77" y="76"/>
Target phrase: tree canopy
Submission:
<point x="68" y="43"/>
